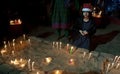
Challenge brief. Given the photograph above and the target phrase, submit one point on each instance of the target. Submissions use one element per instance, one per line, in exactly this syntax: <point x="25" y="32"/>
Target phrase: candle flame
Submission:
<point x="71" y="61"/>
<point x="48" y="60"/>
<point x="58" y="72"/>
<point x="19" y="63"/>
<point x="3" y="51"/>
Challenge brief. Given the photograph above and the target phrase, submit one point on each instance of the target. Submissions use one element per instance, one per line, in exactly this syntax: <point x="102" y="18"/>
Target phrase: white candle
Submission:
<point x="118" y="59"/>
<point x="57" y="44"/>
<point x="29" y="65"/>
<point x="29" y="41"/>
<point x="108" y="66"/>
<point x="4" y="42"/>
<point x="13" y="40"/>
<point x="117" y="66"/>
<point x="84" y="54"/>
<point x="60" y="45"/>
<point x="14" y="46"/>
<point x="24" y="36"/>
<point x="21" y="42"/>
<point x="53" y="44"/>
<point x="5" y="46"/>
<point x="3" y="52"/>
<point x="89" y="55"/>
<point x="21" y="60"/>
<point x="33" y="65"/>
<point x="112" y="65"/>
<point x="115" y="58"/>
<point x="67" y="47"/>
<point x="13" y="53"/>
<point x="9" y="43"/>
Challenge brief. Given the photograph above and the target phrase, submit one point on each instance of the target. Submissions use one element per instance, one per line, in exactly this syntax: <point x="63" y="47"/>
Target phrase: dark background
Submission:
<point x="36" y="12"/>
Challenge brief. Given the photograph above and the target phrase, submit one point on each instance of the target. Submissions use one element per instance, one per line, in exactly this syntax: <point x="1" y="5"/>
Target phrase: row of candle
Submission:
<point x="18" y="62"/>
<point x="114" y="65"/>
<point x="8" y="45"/>
<point x="57" y="45"/>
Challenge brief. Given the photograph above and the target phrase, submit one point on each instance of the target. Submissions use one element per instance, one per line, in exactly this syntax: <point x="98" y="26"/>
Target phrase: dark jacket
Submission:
<point x="91" y="29"/>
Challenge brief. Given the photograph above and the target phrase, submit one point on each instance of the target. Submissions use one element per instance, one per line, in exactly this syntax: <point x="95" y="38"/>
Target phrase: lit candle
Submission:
<point x="117" y="66"/>
<point x="16" y="62"/>
<point x="118" y="59"/>
<point x="29" y="41"/>
<point x="3" y="52"/>
<point x="13" y="53"/>
<point x="21" y="60"/>
<point x="33" y="65"/>
<point x="13" y="40"/>
<point x="5" y="46"/>
<point x="19" y="21"/>
<point x="90" y="54"/>
<point x="84" y="54"/>
<point x="53" y="44"/>
<point x="112" y="65"/>
<point x="14" y="46"/>
<point x="71" y="50"/>
<point x="21" y="42"/>
<point x="58" y="72"/>
<point x="37" y="73"/>
<point x="48" y="60"/>
<point x="100" y="12"/>
<point x="60" y="45"/>
<point x="94" y="8"/>
<point x="57" y="44"/>
<point x="22" y="65"/>
<point x="9" y="43"/>
<point x="108" y="66"/>
<point x="29" y="66"/>
<point x="24" y="36"/>
<point x="71" y="62"/>
<point x="115" y="58"/>
<point x="67" y="47"/>
<point x="4" y="42"/>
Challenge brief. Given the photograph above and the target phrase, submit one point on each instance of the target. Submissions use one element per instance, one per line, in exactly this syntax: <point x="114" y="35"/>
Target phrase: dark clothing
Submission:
<point x="80" y="40"/>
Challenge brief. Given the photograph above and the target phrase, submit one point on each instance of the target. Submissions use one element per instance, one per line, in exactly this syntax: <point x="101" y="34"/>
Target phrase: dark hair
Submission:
<point x="90" y="14"/>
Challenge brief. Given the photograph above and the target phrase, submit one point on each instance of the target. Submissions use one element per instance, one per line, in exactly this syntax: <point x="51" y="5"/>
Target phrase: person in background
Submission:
<point x="59" y="17"/>
<point x="84" y="28"/>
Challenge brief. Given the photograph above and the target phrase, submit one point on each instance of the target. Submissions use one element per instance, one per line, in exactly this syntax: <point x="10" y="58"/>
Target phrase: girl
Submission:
<point x="84" y="28"/>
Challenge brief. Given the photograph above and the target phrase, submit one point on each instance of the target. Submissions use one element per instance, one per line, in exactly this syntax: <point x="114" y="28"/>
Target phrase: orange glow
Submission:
<point x="16" y="22"/>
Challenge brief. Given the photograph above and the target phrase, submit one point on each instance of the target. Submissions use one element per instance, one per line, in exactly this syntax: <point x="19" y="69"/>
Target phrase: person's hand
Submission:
<point x="81" y="32"/>
<point x="85" y="32"/>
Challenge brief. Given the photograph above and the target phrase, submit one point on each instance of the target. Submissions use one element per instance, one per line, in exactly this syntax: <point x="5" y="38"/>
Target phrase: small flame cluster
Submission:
<point x="18" y="62"/>
<point x="15" y="22"/>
